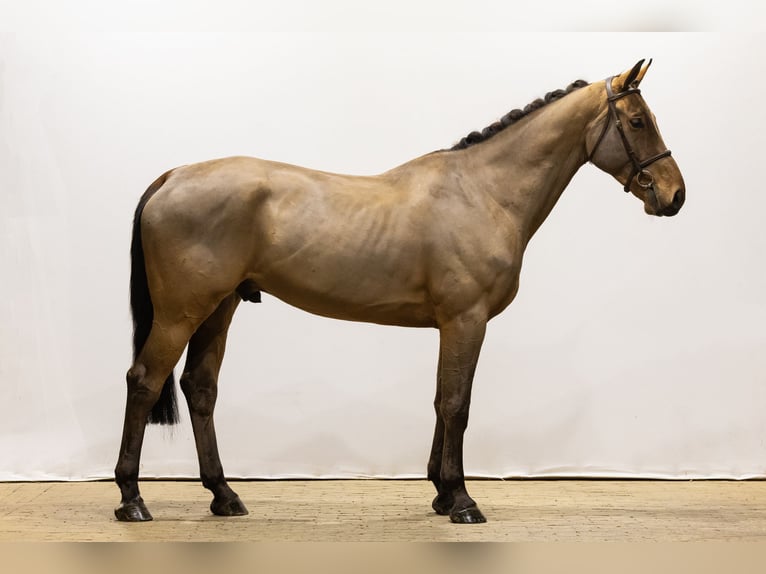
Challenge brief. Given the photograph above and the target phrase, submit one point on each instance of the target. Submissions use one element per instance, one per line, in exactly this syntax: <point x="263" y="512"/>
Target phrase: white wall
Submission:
<point x="634" y="348"/>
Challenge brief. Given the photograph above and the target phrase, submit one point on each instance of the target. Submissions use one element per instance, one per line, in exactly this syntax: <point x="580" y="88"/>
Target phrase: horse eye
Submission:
<point x="637" y="123"/>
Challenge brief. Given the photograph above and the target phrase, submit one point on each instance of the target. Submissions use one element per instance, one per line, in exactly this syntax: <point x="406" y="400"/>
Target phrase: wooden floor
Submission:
<point x="394" y="510"/>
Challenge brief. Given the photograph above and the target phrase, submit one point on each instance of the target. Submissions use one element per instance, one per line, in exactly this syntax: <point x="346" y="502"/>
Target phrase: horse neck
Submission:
<point x="527" y="166"/>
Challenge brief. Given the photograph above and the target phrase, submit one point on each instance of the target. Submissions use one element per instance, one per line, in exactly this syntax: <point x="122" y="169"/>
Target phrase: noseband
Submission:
<point x="642" y="175"/>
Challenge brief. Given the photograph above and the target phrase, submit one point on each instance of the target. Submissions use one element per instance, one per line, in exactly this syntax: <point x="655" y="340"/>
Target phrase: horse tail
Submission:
<point x="165" y="410"/>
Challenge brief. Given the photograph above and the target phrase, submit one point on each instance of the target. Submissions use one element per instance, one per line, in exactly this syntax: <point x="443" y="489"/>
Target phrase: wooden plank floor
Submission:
<point x="394" y="510"/>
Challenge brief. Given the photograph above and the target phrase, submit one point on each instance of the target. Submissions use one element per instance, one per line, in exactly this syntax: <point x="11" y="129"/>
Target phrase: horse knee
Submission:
<point x="454" y="414"/>
<point x="139" y="386"/>
<point x="135" y="375"/>
<point x="200" y="391"/>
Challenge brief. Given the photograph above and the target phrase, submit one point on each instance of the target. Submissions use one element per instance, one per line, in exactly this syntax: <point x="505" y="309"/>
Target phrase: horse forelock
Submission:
<point x="515" y="115"/>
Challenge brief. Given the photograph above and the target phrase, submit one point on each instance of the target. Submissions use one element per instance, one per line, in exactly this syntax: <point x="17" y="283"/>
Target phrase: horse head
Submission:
<point x="625" y="142"/>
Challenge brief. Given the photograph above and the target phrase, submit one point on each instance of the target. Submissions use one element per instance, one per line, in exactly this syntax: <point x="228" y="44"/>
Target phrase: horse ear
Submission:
<point x="632" y="78"/>
<point x="642" y="73"/>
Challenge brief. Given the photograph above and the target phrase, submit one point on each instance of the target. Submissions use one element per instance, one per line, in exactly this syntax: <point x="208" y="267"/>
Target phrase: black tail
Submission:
<point x="165" y="411"/>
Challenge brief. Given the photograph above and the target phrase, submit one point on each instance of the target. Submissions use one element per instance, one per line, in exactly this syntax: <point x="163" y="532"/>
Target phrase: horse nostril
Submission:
<point x="679" y="198"/>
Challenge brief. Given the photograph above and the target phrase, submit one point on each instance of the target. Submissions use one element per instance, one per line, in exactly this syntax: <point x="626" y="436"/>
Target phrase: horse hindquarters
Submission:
<point x="164" y="321"/>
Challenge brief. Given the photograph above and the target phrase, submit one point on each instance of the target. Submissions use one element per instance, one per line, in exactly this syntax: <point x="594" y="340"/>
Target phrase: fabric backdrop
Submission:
<point x="635" y="347"/>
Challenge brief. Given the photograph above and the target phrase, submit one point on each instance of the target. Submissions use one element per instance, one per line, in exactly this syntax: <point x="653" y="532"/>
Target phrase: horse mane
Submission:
<point x="515" y="115"/>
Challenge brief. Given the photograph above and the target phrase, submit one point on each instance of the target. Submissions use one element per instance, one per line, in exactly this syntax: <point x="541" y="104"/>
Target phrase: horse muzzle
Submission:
<point x="674" y="206"/>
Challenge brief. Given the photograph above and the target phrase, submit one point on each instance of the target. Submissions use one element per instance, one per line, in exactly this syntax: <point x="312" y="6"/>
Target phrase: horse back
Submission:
<point x="350" y="247"/>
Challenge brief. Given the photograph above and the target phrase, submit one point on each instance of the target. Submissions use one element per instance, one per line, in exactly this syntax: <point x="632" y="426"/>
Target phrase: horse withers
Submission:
<point x="436" y="242"/>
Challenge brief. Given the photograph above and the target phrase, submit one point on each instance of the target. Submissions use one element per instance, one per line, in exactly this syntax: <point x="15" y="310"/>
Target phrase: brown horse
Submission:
<point x="436" y="242"/>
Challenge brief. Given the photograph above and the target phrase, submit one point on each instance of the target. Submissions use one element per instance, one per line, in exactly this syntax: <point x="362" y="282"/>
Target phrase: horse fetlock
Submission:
<point x="443" y="504"/>
<point x="126" y="478"/>
<point x="216" y="483"/>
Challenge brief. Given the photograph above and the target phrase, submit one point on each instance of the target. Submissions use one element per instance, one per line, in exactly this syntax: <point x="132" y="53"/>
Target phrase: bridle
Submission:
<point x="642" y="175"/>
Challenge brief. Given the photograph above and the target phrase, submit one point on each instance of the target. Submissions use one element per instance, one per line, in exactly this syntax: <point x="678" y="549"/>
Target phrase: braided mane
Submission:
<point x="515" y="115"/>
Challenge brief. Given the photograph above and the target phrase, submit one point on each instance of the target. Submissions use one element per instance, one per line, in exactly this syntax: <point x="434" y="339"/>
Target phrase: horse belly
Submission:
<point x="346" y="270"/>
<point x="357" y="290"/>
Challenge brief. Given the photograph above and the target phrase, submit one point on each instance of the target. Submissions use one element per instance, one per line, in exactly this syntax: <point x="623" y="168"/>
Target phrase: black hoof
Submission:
<point x="133" y="511"/>
<point x="228" y="507"/>
<point x="470" y="515"/>
<point x="442" y="504"/>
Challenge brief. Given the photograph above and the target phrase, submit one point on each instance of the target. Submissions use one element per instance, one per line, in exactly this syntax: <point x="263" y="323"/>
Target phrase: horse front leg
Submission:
<point x="443" y="502"/>
<point x="460" y="342"/>
<point x="199" y="384"/>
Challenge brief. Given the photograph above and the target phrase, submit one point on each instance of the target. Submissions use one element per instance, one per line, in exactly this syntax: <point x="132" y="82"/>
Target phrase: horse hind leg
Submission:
<point x="199" y="384"/>
<point x="145" y="379"/>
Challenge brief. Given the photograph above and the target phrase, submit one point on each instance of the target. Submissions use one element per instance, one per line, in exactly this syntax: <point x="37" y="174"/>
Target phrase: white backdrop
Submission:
<point x="634" y="348"/>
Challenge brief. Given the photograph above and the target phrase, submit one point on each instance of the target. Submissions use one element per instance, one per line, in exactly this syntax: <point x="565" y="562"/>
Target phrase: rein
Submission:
<point x="642" y="175"/>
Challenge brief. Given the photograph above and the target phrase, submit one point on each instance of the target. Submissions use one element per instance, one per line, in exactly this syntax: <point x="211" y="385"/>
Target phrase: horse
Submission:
<point x="436" y="242"/>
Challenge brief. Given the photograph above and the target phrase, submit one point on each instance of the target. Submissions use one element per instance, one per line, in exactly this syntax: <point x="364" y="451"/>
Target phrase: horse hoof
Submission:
<point x="470" y="515"/>
<point x="228" y="507"/>
<point x="442" y="504"/>
<point x="133" y="511"/>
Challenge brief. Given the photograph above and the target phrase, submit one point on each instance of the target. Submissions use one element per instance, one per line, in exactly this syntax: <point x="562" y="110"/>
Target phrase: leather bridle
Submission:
<point x="642" y="175"/>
